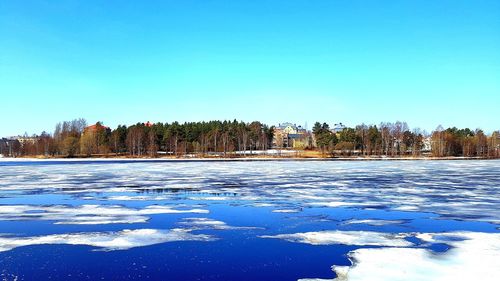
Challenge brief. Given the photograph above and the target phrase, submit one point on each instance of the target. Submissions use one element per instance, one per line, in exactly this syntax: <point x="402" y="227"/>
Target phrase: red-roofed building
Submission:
<point x="97" y="126"/>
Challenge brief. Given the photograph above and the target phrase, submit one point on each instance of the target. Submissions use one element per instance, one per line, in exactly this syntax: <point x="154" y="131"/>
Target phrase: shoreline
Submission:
<point x="231" y="159"/>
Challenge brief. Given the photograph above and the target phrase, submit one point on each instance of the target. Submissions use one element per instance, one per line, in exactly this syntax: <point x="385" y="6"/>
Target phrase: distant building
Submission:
<point x="10" y="146"/>
<point x="95" y="127"/>
<point x="337" y="128"/>
<point x="4" y="147"/>
<point x="289" y="128"/>
<point x="497" y="141"/>
<point x="288" y="135"/>
<point x="427" y="144"/>
<point x="27" y="140"/>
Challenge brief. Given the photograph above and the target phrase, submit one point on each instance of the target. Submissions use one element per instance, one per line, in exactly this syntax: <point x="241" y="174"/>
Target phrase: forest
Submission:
<point x="76" y="138"/>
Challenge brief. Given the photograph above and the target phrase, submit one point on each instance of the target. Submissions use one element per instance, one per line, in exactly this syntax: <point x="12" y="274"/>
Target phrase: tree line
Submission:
<point x="76" y="138"/>
<point x="225" y="138"/>
<point x="397" y="139"/>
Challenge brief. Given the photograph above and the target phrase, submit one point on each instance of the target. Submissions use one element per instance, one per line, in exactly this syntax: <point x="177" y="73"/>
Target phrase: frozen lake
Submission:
<point x="244" y="220"/>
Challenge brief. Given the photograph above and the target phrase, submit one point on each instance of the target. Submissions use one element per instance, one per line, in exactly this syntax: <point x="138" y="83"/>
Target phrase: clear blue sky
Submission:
<point x="425" y="62"/>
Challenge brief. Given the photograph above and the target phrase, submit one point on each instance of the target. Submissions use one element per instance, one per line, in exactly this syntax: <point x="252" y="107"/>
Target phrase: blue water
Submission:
<point x="44" y="198"/>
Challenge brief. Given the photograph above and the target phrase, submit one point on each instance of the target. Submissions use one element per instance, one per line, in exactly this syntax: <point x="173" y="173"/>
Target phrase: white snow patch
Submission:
<point x="87" y="214"/>
<point x="473" y="256"/>
<point x="137" y="198"/>
<point x="211" y="198"/>
<point x="286" y="211"/>
<point x="361" y="238"/>
<point x="374" y="222"/>
<point x="263" y="205"/>
<point x="206" y="223"/>
<point x="120" y="240"/>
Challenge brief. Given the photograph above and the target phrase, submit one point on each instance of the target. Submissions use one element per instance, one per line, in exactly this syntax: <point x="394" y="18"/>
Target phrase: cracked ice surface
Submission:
<point x="107" y="193"/>
<point x="440" y="187"/>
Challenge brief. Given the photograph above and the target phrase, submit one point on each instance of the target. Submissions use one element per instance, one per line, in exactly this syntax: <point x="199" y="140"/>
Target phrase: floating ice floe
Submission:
<point x="473" y="256"/>
<point x="120" y="240"/>
<point x="210" y="198"/>
<point x="137" y="198"/>
<point x="87" y="214"/>
<point x="374" y="222"/>
<point x="223" y="198"/>
<point x="206" y="223"/>
<point x="286" y="211"/>
<point x="263" y="205"/>
<point x="360" y="238"/>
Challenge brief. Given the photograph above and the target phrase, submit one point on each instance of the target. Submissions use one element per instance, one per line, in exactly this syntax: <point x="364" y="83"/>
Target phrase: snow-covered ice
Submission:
<point x="119" y="240"/>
